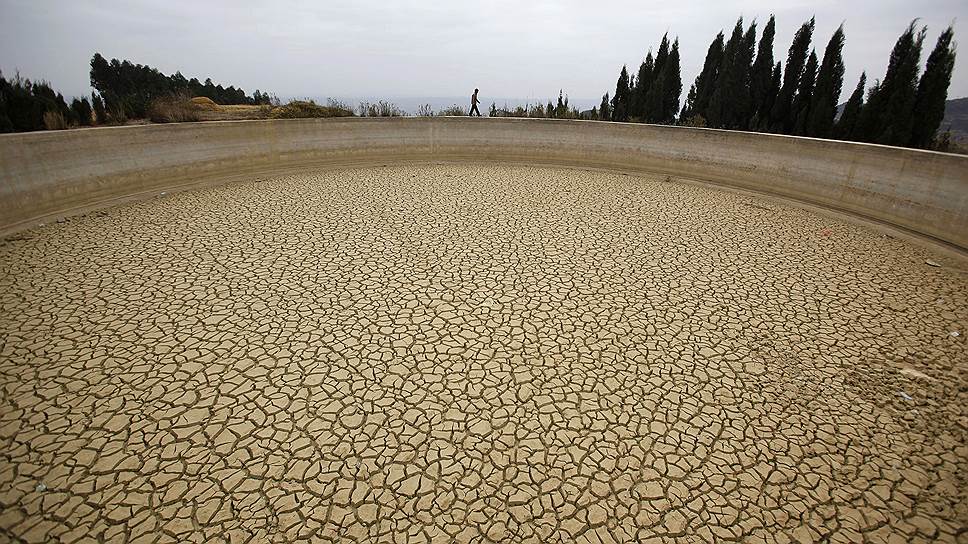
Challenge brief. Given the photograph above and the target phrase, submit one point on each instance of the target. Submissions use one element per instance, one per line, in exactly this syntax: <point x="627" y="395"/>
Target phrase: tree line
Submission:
<point x="123" y="90"/>
<point x="28" y="105"/>
<point x="128" y="89"/>
<point x="740" y="87"/>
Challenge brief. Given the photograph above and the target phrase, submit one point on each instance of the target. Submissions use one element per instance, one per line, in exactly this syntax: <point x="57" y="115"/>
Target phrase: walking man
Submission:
<point x="474" y="103"/>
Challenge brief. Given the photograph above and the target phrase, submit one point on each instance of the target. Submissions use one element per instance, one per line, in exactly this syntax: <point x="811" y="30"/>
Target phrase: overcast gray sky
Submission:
<point x="412" y="48"/>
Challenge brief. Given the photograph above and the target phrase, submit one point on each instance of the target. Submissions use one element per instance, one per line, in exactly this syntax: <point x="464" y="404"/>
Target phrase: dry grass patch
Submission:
<point x="205" y="103"/>
<point x="172" y="109"/>
<point x="300" y="109"/>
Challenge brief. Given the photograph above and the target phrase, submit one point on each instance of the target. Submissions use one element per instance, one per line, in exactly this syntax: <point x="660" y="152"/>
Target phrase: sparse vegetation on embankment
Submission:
<point x="302" y="109"/>
<point x="173" y="109"/>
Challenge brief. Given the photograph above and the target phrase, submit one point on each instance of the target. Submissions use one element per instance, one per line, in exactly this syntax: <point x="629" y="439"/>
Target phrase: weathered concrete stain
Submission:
<point x="45" y="175"/>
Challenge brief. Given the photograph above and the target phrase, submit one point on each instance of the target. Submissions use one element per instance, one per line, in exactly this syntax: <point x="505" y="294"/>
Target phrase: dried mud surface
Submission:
<point x="478" y="353"/>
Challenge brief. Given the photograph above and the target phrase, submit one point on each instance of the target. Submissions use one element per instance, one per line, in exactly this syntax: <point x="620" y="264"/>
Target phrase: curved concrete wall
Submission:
<point x="49" y="174"/>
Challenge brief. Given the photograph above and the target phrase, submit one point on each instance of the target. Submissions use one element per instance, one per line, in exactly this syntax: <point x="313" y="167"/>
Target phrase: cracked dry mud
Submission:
<point x="478" y="353"/>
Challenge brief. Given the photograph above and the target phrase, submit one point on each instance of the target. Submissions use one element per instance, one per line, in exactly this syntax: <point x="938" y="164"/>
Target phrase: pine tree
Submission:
<point x="701" y="91"/>
<point x="889" y="116"/>
<point x="933" y="91"/>
<point x="81" y="111"/>
<point x="762" y="94"/>
<point x="804" y="98"/>
<point x="826" y="93"/>
<point x="6" y="125"/>
<point x="844" y="129"/>
<point x="604" y="112"/>
<point x="783" y="116"/>
<point x="620" y="102"/>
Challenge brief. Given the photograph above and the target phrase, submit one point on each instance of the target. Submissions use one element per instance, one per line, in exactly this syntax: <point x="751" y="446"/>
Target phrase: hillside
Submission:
<point x="956" y="117"/>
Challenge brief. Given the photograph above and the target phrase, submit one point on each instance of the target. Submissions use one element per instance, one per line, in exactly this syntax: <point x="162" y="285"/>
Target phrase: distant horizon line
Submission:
<point x="434" y="97"/>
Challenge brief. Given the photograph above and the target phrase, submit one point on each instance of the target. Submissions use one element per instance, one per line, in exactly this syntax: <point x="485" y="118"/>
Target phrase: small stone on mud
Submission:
<point x="914" y="374"/>
<point x="755" y="369"/>
<point x="904" y="395"/>
<point x="929" y="262"/>
<point x="41" y="487"/>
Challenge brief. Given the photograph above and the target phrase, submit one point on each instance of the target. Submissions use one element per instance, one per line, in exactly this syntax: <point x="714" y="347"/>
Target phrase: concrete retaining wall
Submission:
<point x="50" y="174"/>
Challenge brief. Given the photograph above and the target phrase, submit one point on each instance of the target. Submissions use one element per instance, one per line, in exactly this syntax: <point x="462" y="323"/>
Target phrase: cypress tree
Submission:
<point x="631" y="100"/>
<point x="741" y="74"/>
<point x="783" y="116"/>
<point x="867" y="121"/>
<point x="889" y="116"/>
<point x="744" y="72"/>
<point x="933" y="91"/>
<point x="620" y="101"/>
<point x="655" y="97"/>
<point x="604" y="112"/>
<point x="777" y="80"/>
<point x="686" y="112"/>
<point x="702" y="90"/>
<point x="762" y="93"/>
<point x="671" y="85"/>
<point x="900" y="127"/>
<point x="826" y="94"/>
<point x="641" y="88"/>
<point x="845" y="127"/>
<point x="720" y="102"/>
<point x="801" y="103"/>
<point x="763" y="120"/>
<point x="730" y="104"/>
